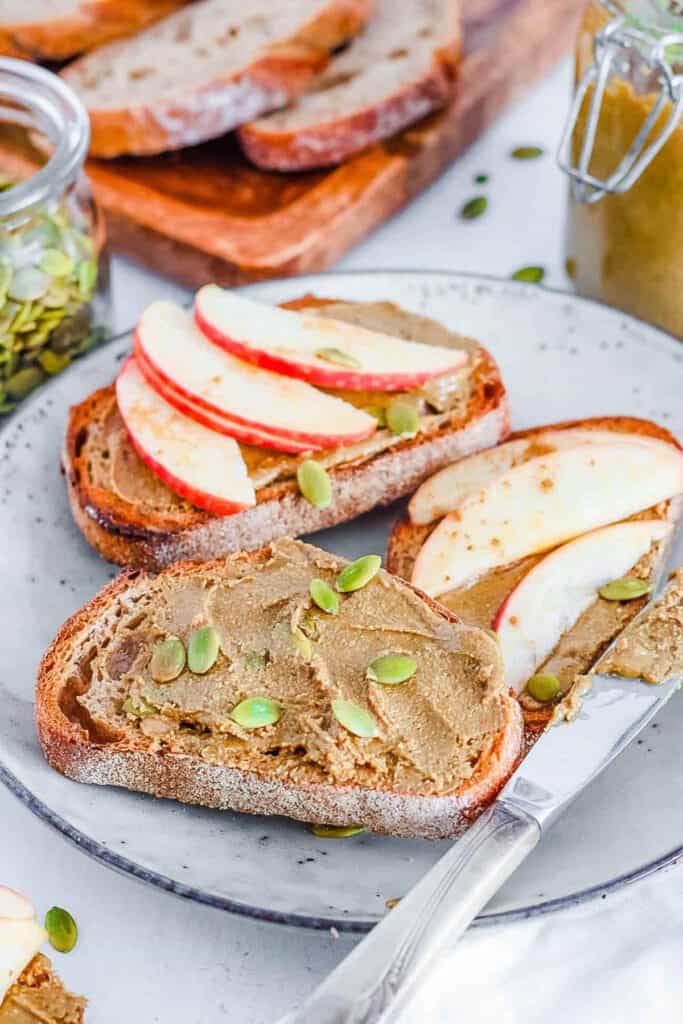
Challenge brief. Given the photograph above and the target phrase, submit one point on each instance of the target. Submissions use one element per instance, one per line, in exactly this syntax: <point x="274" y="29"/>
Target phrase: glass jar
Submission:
<point x="54" y="272"/>
<point x="623" y="149"/>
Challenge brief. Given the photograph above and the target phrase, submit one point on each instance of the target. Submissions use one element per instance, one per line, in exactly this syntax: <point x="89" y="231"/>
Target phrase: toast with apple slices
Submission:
<point x="132" y="518"/>
<point x="545" y="601"/>
<point x="432" y="751"/>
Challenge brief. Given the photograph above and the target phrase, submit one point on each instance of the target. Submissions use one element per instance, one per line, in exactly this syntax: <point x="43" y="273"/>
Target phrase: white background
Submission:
<point x="146" y="957"/>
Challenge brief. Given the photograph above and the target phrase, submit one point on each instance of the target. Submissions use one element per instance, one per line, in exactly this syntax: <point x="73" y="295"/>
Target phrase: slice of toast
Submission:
<point x="207" y="69"/>
<point x="440" y="746"/>
<point x="397" y="71"/>
<point x="58" y="29"/>
<point x="581" y="645"/>
<point x="38" y="995"/>
<point x="133" y="519"/>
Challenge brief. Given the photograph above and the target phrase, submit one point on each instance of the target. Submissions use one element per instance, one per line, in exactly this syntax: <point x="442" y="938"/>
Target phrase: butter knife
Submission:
<point x="384" y="971"/>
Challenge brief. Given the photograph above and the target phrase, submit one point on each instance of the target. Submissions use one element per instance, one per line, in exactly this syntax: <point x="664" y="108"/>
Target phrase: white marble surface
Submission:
<point x="146" y="957"/>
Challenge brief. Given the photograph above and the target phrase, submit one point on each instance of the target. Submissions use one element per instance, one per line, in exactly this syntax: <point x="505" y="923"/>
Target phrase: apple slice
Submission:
<point x="220" y="424"/>
<point x="225" y="386"/>
<point x="542" y="503"/>
<point x="199" y="464"/>
<point x="14" y="905"/>
<point x="551" y="597"/>
<point x="447" y="489"/>
<point x="19" y="943"/>
<point x="291" y="342"/>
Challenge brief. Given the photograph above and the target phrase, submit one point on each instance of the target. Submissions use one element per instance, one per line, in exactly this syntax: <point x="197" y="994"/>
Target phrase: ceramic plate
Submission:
<point x="561" y="357"/>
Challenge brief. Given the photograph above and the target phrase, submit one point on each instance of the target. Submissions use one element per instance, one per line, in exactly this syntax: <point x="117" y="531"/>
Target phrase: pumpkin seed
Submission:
<point x="481" y="179"/>
<point x="474" y="208"/>
<point x="256" y="712"/>
<point x="526" y="153"/>
<point x="202" y="649"/>
<point x="53" y="363"/>
<point x="302" y="644"/>
<point x="168" y="660"/>
<point x="379" y="413"/>
<point x="339" y="357"/>
<point x="56" y="263"/>
<point x="336" y="831"/>
<point x="61" y="929"/>
<point x="391" y="669"/>
<point x="22" y="383"/>
<point x="256" y="659"/>
<point x="543" y="687"/>
<point x="402" y="418"/>
<point x="625" y="589"/>
<point x="354" y="718"/>
<point x="324" y="596"/>
<point x="533" y="274"/>
<point x="358" y="574"/>
<point x="314" y="483"/>
<point x="140" y="708"/>
<point x="87" y="276"/>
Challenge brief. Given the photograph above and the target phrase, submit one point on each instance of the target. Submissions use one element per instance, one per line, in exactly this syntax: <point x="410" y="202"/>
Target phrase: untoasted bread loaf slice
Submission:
<point x="444" y="742"/>
<point x="397" y="71"/>
<point x="133" y="519"/>
<point x="206" y="69"/>
<point x="39" y="995"/>
<point x="58" y="29"/>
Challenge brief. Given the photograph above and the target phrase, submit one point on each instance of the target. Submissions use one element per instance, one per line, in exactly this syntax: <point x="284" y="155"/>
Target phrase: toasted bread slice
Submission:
<point x="133" y="519"/>
<point x="440" y="747"/>
<point x="207" y="69"/>
<point x="58" y="29"/>
<point x="581" y="645"/>
<point x="396" y="72"/>
<point x="39" y="995"/>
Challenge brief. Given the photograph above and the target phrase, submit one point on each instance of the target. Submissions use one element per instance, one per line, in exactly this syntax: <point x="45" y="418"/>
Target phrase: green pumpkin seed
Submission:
<point x="314" y="483"/>
<point x="22" y="383"/>
<point x="202" y="649"/>
<point x="526" y="153"/>
<point x="302" y="644"/>
<point x="56" y="263"/>
<point x="543" y="687"/>
<point x="625" y="589"/>
<point x="481" y="179"/>
<point x="336" y="831"/>
<point x="324" y="596"/>
<point x="358" y="574"/>
<point x="339" y="357"/>
<point x="379" y="413"/>
<point x="140" y="707"/>
<point x="533" y="274"/>
<point x="256" y="712"/>
<point x="391" y="669"/>
<point x="53" y="363"/>
<point x="168" y="660"/>
<point x="354" y="718"/>
<point x="474" y="208"/>
<point x="87" y="277"/>
<point x="402" y="418"/>
<point x="28" y="284"/>
<point x="257" y="659"/>
<point x="61" y="929"/>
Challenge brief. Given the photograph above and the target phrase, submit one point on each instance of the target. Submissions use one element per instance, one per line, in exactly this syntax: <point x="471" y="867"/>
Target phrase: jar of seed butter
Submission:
<point x="623" y="150"/>
<point x="54" y="296"/>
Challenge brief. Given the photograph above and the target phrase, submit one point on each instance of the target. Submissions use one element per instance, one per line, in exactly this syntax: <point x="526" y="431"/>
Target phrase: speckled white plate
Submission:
<point x="561" y="357"/>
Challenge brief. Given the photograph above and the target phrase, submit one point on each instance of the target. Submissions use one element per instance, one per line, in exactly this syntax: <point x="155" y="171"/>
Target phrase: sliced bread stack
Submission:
<point x="398" y="70"/>
<point x="207" y="69"/>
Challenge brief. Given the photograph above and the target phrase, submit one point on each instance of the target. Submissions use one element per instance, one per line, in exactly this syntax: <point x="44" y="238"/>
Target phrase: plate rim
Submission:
<point x="354" y="926"/>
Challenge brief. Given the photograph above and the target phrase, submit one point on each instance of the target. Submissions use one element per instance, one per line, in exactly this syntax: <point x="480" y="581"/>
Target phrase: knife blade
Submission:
<point x="384" y="971"/>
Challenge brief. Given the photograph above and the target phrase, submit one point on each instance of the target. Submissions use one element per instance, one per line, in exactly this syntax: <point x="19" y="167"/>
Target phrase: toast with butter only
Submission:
<point x="395" y="72"/>
<point x="561" y="581"/>
<point x="133" y="519"/>
<point x="204" y="70"/>
<point x="279" y="706"/>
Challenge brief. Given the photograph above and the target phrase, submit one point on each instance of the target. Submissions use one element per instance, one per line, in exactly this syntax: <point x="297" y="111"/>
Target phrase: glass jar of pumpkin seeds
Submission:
<point x="54" y="280"/>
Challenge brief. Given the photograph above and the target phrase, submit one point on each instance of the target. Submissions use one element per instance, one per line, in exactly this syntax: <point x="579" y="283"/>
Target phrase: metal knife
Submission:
<point x="376" y="981"/>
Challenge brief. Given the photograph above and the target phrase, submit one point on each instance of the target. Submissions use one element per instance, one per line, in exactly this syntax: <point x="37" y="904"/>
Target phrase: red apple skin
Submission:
<point x="311" y="442"/>
<point x="322" y="376"/>
<point x="220" y="424"/>
<point x="498" y="618"/>
<point x="207" y="502"/>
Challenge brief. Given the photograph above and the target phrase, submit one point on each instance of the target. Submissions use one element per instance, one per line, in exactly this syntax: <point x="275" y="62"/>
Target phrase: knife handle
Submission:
<point x="376" y="980"/>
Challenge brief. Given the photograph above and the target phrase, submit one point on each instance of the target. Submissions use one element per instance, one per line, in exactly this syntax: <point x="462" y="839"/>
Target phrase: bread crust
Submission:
<point x="94" y="22"/>
<point x="215" y="107"/>
<point x="121" y="533"/>
<point x="330" y="142"/>
<point x="70" y="749"/>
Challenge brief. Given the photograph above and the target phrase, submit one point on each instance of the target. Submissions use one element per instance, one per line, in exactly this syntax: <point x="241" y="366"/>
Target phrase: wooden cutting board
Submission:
<point x="205" y="214"/>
